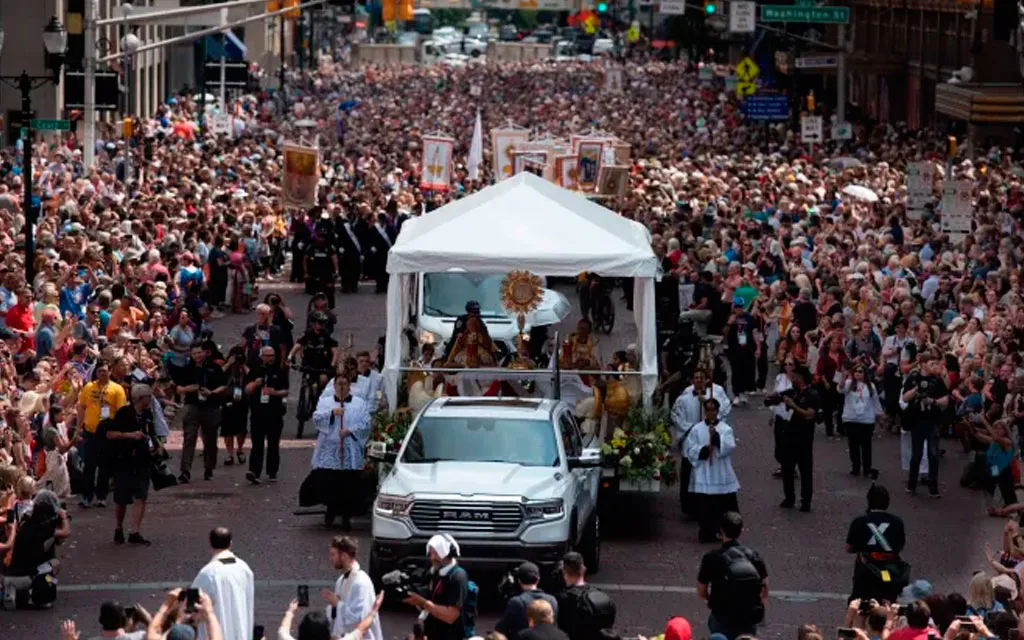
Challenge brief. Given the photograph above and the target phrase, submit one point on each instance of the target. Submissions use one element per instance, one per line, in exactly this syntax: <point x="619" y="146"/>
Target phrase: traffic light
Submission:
<point x="126" y="128"/>
<point x="811" y="103"/>
<point x="602" y="7"/>
<point x="710" y="7"/>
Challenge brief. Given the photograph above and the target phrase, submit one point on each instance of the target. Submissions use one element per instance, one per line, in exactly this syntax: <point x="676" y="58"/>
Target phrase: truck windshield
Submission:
<point x="446" y="294"/>
<point x="530" y="443"/>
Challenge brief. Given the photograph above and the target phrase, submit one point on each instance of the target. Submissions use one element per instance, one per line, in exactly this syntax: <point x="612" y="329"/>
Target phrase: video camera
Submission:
<point x="400" y="584"/>
<point x="778" y="398"/>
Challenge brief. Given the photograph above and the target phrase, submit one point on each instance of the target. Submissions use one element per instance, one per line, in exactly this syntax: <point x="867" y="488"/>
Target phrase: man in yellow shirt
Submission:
<point x="99" y="400"/>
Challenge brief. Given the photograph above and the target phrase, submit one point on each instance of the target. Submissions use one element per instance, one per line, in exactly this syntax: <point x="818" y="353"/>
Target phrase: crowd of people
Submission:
<point x="875" y="321"/>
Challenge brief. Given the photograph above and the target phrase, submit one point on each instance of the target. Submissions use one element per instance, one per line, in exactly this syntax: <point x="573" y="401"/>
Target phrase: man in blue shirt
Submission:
<point x="74" y="291"/>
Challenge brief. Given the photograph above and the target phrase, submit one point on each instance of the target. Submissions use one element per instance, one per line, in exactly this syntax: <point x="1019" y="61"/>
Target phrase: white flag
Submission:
<point x="476" y="149"/>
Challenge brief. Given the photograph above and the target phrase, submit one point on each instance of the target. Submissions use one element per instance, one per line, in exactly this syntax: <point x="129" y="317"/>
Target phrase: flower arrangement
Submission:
<point x="640" y="449"/>
<point x="390" y="427"/>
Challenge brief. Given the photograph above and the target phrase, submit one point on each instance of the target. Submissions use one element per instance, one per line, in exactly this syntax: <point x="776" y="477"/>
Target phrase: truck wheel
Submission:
<point x="590" y="544"/>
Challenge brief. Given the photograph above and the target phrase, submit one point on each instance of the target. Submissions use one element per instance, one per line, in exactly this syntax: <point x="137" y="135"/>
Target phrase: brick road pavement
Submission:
<point x="649" y="554"/>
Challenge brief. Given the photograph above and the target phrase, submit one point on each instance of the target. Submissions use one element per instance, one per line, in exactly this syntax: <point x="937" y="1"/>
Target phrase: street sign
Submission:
<point x="107" y="95"/>
<point x="817" y="62"/>
<point x="842" y="131"/>
<point x="811" y="130"/>
<point x="747" y="69"/>
<point x="766" y="107"/>
<point x="957" y="208"/>
<point x="745" y="88"/>
<point x="50" y="125"/>
<point x="706" y="74"/>
<point x="920" y="187"/>
<point x="672" y="7"/>
<point x="742" y="16"/>
<point x="787" y="13"/>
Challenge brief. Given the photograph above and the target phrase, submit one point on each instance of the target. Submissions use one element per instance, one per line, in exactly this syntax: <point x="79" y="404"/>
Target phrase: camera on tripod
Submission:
<point x="778" y="398"/>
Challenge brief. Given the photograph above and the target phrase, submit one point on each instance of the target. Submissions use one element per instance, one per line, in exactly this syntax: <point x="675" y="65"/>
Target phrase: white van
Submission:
<point x="440" y="298"/>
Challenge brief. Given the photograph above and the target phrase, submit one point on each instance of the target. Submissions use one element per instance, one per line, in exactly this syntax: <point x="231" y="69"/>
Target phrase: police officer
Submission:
<point x="514" y="620"/>
<point x="877" y="537"/>
<point x="266" y="387"/>
<point x="322" y="267"/>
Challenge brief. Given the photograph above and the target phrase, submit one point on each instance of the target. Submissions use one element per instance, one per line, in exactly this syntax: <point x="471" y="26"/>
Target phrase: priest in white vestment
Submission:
<point x="713" y="483"/>
<point x="688" y="411"/>
<point x="353" y="596"/>
<point x="228" y="581"/>
<point x="343" y="428"/>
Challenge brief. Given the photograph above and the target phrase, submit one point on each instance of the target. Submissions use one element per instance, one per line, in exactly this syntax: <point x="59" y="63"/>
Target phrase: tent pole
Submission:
<point x="557" y="376"/>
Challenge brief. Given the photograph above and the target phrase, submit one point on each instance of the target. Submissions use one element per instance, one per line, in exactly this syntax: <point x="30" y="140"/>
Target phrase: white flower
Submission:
<point x="625" y="461"/>
<point x="636" y="450"/>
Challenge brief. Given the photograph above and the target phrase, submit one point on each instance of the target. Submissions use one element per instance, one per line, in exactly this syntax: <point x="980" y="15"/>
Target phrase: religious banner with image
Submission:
<point x="533" y="161"/>
<point x="622" y="152"/>
<point x="437" y="163"/>
<point x="565" y="171"/>
<point x="301" y="174"/>
<point x="588" y="164"/>
<point x="504" y="144"/>
<point x="613" y="181"/>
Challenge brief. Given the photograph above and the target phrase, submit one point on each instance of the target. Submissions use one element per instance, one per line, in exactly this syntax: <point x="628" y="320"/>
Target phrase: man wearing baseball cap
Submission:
<point x="514" y="619"/>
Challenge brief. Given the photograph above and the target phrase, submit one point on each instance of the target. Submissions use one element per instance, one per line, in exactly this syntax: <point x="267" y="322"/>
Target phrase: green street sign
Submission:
<point x="788" y="13"/>
<point x="50" y="125"/>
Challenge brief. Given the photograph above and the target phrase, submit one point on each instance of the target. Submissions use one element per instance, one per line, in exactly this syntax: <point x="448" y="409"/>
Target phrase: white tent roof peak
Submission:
<point x="524" y="222"/>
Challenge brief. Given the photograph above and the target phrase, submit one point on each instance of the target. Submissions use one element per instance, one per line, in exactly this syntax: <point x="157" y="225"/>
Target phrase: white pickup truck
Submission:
<point x="511" y="479"/>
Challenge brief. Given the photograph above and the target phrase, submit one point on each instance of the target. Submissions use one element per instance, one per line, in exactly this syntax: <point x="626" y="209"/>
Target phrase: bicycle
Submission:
<point x="309" y="394"/>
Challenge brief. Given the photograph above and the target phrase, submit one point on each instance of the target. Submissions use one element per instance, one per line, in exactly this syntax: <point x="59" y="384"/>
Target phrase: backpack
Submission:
<point x="738" y="591"/>
<point x="594" y="610"/>
<point x="469" y="607"/>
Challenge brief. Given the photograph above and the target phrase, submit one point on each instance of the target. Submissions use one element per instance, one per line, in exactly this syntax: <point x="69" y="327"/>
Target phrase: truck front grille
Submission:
<point x="471" y="517"/>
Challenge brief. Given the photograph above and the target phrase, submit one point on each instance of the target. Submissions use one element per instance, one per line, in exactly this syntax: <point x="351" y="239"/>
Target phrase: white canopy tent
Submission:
<point x="524" y="222"/>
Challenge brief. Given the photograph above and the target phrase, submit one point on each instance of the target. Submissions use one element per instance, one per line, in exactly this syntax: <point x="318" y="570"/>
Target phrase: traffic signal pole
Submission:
<point x="92" y="24"/>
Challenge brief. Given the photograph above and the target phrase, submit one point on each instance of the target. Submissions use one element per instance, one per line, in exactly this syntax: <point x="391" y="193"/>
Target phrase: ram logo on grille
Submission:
<point x="466" y="515"/>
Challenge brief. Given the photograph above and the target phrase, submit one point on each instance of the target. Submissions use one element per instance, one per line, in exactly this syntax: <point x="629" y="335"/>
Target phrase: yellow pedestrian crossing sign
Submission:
<point x="747" y="69"/>
<point x="633" y="34"/>
<point x="744" y="88"/>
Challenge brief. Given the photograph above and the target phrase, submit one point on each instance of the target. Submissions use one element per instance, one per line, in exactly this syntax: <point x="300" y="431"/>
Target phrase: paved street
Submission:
<point x="650" y="554"/>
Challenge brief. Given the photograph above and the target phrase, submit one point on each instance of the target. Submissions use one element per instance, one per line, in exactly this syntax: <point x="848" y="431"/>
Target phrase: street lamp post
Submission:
<point x="55" y="39"/>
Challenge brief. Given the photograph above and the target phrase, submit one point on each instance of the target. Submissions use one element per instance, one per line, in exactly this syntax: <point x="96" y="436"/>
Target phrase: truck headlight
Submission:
<point x="548" y="510"/>
<point x="392" y="506"/>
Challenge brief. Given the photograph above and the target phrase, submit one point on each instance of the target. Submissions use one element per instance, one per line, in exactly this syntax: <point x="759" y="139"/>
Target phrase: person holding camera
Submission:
<point x="872" y="620"/>
<point x="131" y="441"/>
<point x="514" y="620"/>
<point x="878" y="537"/>
<point x="802" y="405"/>
<point x="583" y="610"/>
<point x="441" y="604"/>
<point x="924" y="401"/>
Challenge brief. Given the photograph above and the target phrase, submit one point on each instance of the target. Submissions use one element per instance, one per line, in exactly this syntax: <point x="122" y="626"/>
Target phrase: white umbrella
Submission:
<point x="306" y="123"/>
<point x="860" y="192"/>
<point x="208" y="98"/>
<point x="554" y="307"/>
<point x="845" y="162"/>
